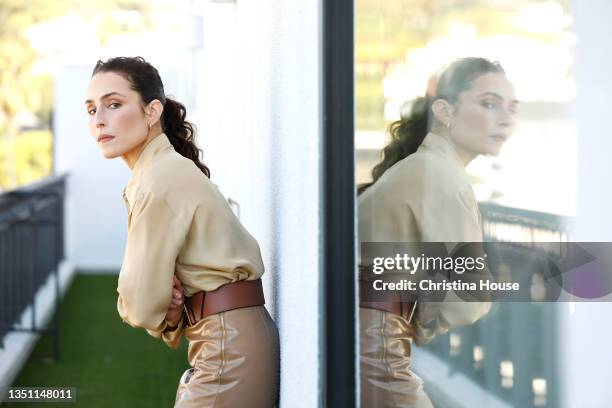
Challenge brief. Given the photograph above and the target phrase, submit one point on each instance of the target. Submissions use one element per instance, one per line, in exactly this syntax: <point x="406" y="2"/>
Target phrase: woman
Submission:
<point x="421" y="193"/>
<point x="179" y="224"/>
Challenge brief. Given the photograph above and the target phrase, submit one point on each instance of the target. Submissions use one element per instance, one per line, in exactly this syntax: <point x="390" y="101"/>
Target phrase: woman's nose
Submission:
<point x="506" y="119"/>
<point x="99" y="118"/>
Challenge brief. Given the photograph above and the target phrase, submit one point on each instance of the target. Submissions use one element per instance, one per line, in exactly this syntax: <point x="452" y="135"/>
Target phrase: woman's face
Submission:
<point x="116" y="119"/>
<point x="484" y="116"/>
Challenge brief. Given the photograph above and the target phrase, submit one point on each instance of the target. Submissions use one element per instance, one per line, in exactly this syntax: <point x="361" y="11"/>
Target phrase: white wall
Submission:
<point x="585" y="353"/>
<point x="95" y="212"/>
<point x="284" y="99"/>
<point x="260" y="110"/>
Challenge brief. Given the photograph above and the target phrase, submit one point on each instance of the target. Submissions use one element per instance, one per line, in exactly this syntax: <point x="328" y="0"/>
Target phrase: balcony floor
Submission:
<point x="109" y="362"/>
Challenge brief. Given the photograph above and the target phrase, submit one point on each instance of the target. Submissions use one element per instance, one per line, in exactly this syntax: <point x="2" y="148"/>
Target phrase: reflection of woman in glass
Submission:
<point x="183" y="236"/>
<point x="421" y="193"/>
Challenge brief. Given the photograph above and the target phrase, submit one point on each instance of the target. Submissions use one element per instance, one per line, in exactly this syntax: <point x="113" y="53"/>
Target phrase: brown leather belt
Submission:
<point x="398" y="307"/>
<point x="230" y="296"/>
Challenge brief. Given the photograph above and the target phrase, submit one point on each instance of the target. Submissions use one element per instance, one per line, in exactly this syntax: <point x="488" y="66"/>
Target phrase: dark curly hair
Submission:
<point x="409" y="131"/>
<point x="144" y="79"/>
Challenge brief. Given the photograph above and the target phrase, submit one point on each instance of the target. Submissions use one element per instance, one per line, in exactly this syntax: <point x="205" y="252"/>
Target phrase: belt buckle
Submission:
<point x="412" y="311"/>
<point x="188" y="315"/>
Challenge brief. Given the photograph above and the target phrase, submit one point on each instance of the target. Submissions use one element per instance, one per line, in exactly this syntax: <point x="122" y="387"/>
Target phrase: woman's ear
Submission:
<point x="443" y="111"/>
<point x="154" y="111"/>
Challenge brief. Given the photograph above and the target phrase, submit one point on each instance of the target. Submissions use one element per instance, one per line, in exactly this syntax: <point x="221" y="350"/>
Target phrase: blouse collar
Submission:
<point x="152" y="149"/>
<point x="442" y="145"/>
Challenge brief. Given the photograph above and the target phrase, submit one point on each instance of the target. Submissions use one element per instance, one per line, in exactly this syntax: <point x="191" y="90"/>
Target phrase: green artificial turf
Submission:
<point x="110" y="363"/>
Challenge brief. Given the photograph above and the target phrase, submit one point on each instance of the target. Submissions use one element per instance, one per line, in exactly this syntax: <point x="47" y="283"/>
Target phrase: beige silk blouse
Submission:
<point x="178" y="222"/>
<point x="426" y="197"/>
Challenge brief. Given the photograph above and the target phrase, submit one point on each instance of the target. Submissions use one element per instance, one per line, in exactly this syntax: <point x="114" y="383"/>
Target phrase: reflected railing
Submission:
<point x="31" y="249"/>
<point x="513" y="351"/>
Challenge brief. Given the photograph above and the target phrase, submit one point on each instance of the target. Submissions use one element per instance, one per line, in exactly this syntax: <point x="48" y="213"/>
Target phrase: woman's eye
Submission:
<point x="91" y="111"/>
<point x="114" y="105"/>
<point x="488" y="105"/>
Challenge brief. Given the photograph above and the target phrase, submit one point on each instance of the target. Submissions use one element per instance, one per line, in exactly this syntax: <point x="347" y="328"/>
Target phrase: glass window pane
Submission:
<point x="464" y="133"/>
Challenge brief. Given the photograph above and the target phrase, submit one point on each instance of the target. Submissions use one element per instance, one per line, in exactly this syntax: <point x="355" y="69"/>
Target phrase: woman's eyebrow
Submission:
<point x="105" y="96"/>
<point x="496" y="95"/>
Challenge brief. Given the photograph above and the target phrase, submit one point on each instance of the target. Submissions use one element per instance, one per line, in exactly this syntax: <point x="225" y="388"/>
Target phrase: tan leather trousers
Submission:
<point x="235" y="361"/>
<point x="386" y="378"/>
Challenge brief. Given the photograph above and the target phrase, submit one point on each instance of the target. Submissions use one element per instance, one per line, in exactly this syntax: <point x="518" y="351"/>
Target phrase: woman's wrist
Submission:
<point x="172" y="325"/>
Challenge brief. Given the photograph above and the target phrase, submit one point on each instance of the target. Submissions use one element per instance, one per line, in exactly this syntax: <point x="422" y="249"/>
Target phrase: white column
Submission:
<point x="585" y="352"/>
<point x="279" y="95"/>
<point x="260" y="111"/>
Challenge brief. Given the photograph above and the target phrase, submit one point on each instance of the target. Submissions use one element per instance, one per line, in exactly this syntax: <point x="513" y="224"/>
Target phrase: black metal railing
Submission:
<point x="31" y="248"/>
<point x="513" y="351"/>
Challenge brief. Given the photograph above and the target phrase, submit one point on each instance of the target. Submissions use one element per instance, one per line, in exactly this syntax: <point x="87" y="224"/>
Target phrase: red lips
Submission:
<point x="499" y="137"/>
<point x="105" y="138"/>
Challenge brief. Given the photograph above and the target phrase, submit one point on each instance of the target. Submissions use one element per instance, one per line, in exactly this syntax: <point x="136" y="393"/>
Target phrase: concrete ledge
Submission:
<point x="19" y="345"/>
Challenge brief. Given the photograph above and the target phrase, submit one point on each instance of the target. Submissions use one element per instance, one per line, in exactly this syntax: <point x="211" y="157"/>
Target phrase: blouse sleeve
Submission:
<point x="171" y="337"/>
<point x="454" y="219"/>
<point x="155" y="237"/>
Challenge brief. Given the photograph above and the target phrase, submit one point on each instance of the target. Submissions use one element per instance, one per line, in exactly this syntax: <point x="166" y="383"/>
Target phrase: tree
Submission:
<point x="19" y="89"/>
<point x="386" y="30"/>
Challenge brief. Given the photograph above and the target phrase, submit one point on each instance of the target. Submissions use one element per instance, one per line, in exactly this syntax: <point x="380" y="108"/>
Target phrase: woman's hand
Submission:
<point x="173" y="315"/>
